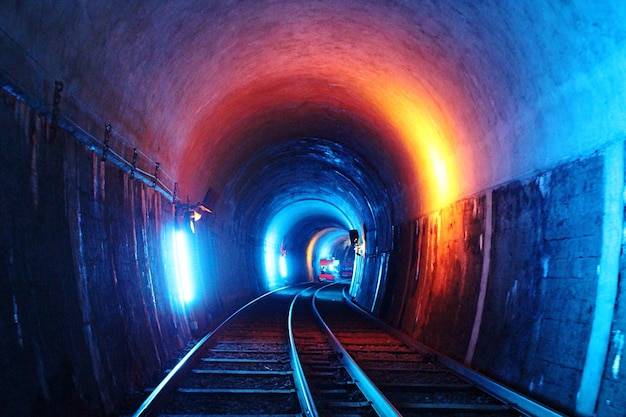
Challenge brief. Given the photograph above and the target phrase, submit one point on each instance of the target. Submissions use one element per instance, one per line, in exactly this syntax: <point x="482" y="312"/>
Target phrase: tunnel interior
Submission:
<point x="293" y="196"/>
<point x="477" y="149"/>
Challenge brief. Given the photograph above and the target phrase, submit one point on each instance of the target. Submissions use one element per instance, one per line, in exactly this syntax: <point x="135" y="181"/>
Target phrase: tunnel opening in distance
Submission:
<point x="295" y="200"/>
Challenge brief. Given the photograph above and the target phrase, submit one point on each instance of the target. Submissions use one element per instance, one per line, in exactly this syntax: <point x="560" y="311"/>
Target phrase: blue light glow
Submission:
<point x="282" y="238"/>
<point x="183" y="267"/>
<point x="282" y="266"/>
<point x="270" y="250"/>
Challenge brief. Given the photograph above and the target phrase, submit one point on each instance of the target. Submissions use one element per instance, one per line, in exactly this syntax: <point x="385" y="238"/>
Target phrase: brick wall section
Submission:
<point x="546" y="242"/>
<point x="85" y="312"/>
<point x="542" y="282"/>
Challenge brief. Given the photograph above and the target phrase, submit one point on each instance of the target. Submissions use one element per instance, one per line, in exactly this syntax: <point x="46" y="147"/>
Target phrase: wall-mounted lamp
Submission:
<point x="184" y="248"/>
<point x="191" y="214"/>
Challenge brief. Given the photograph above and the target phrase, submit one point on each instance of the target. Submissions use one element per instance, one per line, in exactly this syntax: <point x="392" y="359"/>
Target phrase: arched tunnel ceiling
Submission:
<point x="305" y="169"/>
<point x="441" y="99"/>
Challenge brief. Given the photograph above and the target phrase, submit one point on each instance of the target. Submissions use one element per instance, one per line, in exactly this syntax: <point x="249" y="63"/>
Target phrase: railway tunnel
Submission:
<point x="476" y="148"/>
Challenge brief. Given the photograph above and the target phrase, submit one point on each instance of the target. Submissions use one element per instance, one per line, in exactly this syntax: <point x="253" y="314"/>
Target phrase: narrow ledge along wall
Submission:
<point x="527" y="306"/>
<point x="87" y="312"/>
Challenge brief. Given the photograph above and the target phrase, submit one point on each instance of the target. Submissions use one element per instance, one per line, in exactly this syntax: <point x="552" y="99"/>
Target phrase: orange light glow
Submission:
<point x="309" y="254"/>
<point x="419" y="129"/>
<point x="314" y="250"/>
<point x="417" y="109"/>
<point x="426" y="138"/>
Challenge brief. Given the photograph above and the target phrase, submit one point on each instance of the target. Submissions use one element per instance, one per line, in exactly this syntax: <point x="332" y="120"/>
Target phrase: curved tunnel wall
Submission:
<point x="472" y="144"/>
<point x="88" y="306"/>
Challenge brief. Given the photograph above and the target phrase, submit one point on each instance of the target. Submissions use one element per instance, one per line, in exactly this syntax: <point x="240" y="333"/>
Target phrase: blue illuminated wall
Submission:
<point x="546" y="252"/>
<point x="613" y="400"/>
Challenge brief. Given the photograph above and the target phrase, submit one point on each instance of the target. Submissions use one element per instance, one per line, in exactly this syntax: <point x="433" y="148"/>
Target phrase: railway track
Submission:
<point x="241" y="368"/>
<point x="333" y="390"/>
<point x="276" y="356"/>
<point x="413" y="379"/>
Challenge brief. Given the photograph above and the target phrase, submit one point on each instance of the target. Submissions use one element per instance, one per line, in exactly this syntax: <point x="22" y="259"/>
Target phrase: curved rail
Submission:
<point x="302" y="387"/>
<point x="380" y="403"/>
<point x="168" y="384"/>
<point x="316" y="346"/>
<point x="505" y="394"/>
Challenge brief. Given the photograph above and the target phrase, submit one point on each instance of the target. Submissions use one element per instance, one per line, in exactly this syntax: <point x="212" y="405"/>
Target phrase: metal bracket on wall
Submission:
<point x="156" y="174"/>
<point x="107" y="138"/>
<point x="134" y="163"/>
<point x="58" y="121"/>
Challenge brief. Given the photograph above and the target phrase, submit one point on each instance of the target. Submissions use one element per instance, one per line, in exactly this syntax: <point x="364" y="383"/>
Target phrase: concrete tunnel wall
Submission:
<point x="478" y="148"/>
<point x="508" y="282"/>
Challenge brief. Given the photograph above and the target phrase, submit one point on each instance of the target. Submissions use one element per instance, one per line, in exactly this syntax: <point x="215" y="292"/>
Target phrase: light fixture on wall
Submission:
<point x="190" y="215"/>
<point x="184" y="248"/>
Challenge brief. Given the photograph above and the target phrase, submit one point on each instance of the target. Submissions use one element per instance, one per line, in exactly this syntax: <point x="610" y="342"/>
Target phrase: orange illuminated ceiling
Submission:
<point x="312" y="71"/>
<point x="454" y="97"/>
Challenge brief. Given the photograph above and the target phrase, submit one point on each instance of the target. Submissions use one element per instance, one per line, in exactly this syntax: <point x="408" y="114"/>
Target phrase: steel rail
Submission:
<point x="302" y="387"/>
<point x="168" y="384"/>
<point x="507" y="395"/>
<point x="379" y="402"/>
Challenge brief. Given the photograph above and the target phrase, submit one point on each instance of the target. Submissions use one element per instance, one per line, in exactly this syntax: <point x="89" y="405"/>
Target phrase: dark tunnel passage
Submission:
<point x="166" y="162"/>
<point x="295" y="191"/>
